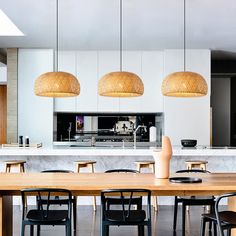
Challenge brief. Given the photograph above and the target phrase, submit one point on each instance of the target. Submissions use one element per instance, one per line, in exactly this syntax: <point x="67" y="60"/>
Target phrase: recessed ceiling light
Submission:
<point x="7" y="27"/>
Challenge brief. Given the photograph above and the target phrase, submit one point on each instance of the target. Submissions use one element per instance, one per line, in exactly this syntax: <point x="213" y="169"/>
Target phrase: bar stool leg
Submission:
<point x="139" y="166"/>
<point x="22" y="168"/>
<point x="8" y="168"/>
<point x="94" y="198"/>
<point x="154" y="198"/>
<point x="92" y="170"/>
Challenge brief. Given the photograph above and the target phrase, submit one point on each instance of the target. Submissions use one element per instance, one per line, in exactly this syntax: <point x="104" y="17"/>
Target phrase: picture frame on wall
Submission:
<point x="79" y="123"/>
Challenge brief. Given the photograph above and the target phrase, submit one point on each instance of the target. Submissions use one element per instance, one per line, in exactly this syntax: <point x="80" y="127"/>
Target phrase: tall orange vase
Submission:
<point x="162" y="159"/>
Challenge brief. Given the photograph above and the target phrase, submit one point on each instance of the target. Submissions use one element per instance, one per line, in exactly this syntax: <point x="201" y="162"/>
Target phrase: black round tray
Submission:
<point x="185" y="180"/>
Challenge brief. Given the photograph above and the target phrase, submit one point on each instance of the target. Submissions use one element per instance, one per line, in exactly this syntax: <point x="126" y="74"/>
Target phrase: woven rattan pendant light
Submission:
<point x="57" y="83"/>
<point x="184" y="83"/>
<point x="120" y="83"/>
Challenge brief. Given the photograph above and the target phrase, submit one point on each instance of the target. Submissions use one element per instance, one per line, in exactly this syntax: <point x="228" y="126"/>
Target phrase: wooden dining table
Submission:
<point x="90" y="184"/>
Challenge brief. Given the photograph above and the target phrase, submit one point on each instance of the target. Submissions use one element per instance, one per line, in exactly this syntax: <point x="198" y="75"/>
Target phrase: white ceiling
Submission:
<point x="147" y="24"/>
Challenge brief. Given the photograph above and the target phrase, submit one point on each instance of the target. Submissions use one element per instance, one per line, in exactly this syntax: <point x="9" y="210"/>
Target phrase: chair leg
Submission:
<point x="149" y="230"/>
<point x="141" y="230"/>
<point x="68" y="228"/>
<point x="183" y="218"/>
<point x="203" y="226"/>
<point x="31" y="230"/>
<point x="175" y="213"/>
<point x="107" y="230"/>
<point x="74" y="213"/>
<point x="215" y="228"/>
<point x="22" y="229"/>
<point x="229" y="232"/>
<point x="104" y="230"/>
<point x="38" y="230"/>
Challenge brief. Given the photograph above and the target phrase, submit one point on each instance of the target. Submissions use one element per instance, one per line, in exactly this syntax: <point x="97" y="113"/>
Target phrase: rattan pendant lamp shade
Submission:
<point x="57" y="83"/>
<point x="184" y="83"/>
<point x="120" y="83"/>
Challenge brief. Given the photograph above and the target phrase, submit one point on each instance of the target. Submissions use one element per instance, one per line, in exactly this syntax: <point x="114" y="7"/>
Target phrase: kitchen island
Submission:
<point x="110" y="157"/>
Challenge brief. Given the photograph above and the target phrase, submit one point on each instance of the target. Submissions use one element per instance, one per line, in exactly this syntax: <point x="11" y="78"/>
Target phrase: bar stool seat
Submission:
<point x="15" y="163"/>
<point x="151" y="165"/>
<point x="145" y="164"/>
<point x="19" y="164"/>
<point x="196" y="164"/>
<point x="86" y="164"/>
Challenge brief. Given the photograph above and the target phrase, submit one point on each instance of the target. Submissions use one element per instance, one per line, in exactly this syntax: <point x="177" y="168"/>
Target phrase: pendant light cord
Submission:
<point x="184" y="32"/>
<point x="121" y="29"/>
<point x="57" y="38"/>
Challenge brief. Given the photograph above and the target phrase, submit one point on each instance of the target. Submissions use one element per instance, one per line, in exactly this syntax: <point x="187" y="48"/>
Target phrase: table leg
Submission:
<point x="232" y="206"/>
<point x="6" y="216"/>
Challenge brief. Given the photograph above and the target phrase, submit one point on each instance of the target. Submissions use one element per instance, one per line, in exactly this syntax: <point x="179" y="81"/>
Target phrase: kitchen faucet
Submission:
<point x="135" y="132"/>
<point x="69" y="130"/>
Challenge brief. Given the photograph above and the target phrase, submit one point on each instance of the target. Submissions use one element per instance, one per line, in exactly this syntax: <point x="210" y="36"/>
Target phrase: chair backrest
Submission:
<point x="48" y="194"/>
<point x="57" y="171"/>
<point x="126" y="197"/>
<point x="122" y="171"/>
<point x="193" y="171"/>
<point x="218" y="200"/>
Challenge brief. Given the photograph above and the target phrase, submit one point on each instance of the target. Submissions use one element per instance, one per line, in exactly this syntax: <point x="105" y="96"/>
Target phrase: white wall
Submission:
<point x="35" y="114"/>
<point x="188" y="118"/>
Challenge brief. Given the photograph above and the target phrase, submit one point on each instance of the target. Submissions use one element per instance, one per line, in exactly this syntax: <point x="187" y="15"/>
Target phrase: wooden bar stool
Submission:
<point x="151" y="165"/>
<point x="90" y="165"/>
<point x="20" y="164"/>
<point x="196" y="164"/>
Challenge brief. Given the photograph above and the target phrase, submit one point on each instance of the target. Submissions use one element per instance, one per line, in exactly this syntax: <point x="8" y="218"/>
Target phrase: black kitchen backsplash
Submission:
<point x="105" y="127"/>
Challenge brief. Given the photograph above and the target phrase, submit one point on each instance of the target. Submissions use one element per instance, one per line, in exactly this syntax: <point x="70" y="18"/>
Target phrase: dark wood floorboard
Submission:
<point x="88" y="223"/>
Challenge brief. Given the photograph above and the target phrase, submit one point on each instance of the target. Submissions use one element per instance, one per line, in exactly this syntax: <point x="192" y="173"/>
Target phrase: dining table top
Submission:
<point x="92" y="183"/>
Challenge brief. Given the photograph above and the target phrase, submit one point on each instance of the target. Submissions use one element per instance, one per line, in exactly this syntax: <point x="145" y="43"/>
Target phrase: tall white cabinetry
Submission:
<point x="108" y="61"/>
<point x="83" y="65"/>
<point x="35" y="114"/>
<point x="66" y="62"/>
<point x="90" y="66"/>
<point x="188" y="118"/>
<point x="87" y="75"/>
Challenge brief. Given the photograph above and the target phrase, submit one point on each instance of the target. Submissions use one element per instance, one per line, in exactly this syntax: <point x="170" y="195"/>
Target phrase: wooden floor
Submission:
<point x="88" y="223"/>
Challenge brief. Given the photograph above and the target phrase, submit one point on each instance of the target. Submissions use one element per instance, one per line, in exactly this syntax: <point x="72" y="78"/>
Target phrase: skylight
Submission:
<point x="7" y="27"/>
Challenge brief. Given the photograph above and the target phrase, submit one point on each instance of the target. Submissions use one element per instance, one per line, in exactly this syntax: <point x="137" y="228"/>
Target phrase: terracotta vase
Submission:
<point x="162" y="159"/>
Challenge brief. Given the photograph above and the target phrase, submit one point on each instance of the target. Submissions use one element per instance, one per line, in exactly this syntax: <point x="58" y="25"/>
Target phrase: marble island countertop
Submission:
<point x="111" y="150"/>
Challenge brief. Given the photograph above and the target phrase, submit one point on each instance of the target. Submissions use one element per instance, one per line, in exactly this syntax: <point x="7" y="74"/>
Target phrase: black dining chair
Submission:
<point x="123" y="213"/>
<point x="191" y="201"/>
<point x="43" y="215"/>
<point x="225" y="220"/>
<point x="137" y="201"/>
<point x="60" y="200"/>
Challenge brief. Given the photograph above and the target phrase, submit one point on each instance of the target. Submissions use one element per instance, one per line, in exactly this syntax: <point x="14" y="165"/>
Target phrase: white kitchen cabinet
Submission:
<point x="149" y="66"/>
<point x="90" y="66"/>
<point x="87" y="73"/>
<point x="108" y="61"/>
<point x="35" y="114"/>
<point x="188" y="118"/>
<point x="132" y="62"/>
<point x="66" y="63"/>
